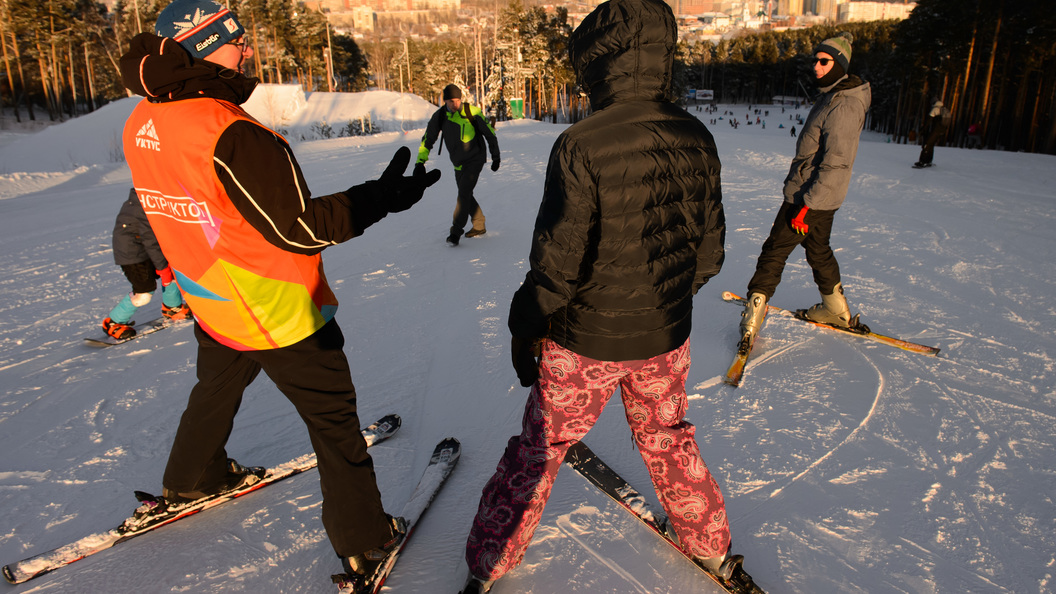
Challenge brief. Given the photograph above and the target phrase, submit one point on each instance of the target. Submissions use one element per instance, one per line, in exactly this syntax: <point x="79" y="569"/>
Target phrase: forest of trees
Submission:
<point x="992" y="62"/>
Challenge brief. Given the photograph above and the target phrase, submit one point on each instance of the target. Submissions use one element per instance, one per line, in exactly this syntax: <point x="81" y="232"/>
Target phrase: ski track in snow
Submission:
<point x="846" y="466"/>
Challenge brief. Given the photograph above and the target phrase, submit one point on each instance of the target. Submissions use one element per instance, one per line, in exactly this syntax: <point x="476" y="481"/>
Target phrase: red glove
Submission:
<point x="166" y="276"/>
<point x="799" y="225"/>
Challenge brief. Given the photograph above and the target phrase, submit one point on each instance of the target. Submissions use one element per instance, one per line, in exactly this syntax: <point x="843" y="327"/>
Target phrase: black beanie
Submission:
<point x="452" y="92"/>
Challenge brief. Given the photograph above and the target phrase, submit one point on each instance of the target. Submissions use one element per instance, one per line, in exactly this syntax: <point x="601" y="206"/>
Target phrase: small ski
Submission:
<point x="580" y="457"/>
<point x="861" y="331"/>
<point x="441" y="464"/>
<point x="147" y="517"/>
<point x="105" y="340"/>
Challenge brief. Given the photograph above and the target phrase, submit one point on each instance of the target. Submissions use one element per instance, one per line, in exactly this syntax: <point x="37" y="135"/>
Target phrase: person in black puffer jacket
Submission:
<point x="631" y="225"/>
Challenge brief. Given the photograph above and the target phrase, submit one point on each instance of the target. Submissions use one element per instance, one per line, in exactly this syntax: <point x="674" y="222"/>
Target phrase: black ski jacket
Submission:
<point x="631" y="223"/>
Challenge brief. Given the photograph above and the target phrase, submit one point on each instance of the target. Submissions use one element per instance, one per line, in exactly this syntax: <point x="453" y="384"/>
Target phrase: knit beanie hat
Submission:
<point x="839" y="48"/>
<point x="452" y="92"/>
<point x="200" y="26"/>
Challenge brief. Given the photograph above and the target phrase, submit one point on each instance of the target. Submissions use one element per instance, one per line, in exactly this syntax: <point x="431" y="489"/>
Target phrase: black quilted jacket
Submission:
<point x="631" y="222"/>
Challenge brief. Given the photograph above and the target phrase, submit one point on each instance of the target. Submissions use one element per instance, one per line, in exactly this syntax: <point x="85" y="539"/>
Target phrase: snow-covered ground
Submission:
<point x="847" y="466"/>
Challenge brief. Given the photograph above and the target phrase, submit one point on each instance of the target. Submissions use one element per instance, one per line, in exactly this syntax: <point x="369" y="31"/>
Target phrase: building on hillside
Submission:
<point x="691" y="7"/>
<point x="364" y="18"/>
<point x="789" y="7"/>
<point x="341" y="6"/>
<point x="873" y="11"/>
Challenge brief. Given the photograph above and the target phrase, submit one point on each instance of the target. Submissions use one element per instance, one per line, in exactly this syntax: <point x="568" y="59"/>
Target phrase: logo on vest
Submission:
<point x="147" y="137"/>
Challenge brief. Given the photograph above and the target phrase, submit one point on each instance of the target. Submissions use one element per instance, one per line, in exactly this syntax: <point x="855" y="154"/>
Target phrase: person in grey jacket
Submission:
<point x="814" y="190"/>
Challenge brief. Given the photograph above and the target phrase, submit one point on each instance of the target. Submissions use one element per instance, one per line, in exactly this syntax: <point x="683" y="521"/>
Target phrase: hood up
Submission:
<point x="624" y="51"/>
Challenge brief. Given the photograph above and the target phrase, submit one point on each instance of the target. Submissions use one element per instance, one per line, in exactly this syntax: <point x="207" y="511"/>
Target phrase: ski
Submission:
<point x="861" y="331"/>
<point x="441" y="464"/>
<point x="733" y="578"/>
<point x="148" y="516"/>
<point x="736" y="371"/>
<point x="142" y="330"/>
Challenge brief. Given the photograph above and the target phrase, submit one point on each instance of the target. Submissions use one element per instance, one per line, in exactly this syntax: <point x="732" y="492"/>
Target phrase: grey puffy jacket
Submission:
<point x="825" y="152"/>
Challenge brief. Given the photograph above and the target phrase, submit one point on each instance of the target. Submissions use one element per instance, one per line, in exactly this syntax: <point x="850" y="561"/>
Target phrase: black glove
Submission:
<point x="495" y="164"/>
<point x="393" y="191"/>
<point x="525" y="353"/>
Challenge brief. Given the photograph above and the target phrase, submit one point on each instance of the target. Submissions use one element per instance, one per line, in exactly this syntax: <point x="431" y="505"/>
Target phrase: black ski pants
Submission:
<point x="782" y="240"/>
<point x="314" y="375"/>
<point x="466" y="205"/>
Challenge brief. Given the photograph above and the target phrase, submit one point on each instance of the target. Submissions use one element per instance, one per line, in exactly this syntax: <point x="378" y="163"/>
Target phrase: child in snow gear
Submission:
<point x="229" y="204"/>
<point x="815" y="188"/>
<point x="621" y="245"/>
<point x="464" y="131"/>
<point x="137" y="252"/>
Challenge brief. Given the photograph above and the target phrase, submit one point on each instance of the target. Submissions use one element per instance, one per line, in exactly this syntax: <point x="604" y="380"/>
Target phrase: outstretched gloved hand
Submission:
<point x="400" y="192"/>
<point x="799" y="223"/>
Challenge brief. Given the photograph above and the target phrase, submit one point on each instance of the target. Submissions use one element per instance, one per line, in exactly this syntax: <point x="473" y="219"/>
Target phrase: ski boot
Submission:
<point x="118" y="330"/>
<point x="730" y="570"/>
<point x="832" y="310"/>
<point x="752" y="319"/>
<point x="180" y="312"/>
<point x="362" y="569"/>
<point x="475" y="585"/>
<point x="238" y="477"/>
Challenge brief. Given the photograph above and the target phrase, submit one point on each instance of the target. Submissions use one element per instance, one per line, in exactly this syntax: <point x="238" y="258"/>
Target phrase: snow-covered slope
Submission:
<point x="847" y="466"/>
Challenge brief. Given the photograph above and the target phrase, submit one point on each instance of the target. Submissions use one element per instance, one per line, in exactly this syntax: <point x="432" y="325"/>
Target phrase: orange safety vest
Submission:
<point x="245" y="292"/>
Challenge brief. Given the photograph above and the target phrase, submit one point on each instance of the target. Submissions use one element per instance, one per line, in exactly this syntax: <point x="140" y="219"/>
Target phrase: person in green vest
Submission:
<point x="465" y="131"/>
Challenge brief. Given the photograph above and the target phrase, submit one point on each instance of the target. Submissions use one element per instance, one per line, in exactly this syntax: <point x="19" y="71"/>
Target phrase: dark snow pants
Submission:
<point x="782" y="240"/>
<point x="466" y="205"/>
<point x="314" y="375"/>
<point x="563" y="405"/>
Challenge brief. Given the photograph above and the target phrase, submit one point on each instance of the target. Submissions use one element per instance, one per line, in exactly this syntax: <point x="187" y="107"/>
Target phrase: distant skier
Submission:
<point x="814" y="189"/>
<point x="464" y="131"/>
<point x="937" y="123"/>
<point x="137" y="252"/>
<point x="630" y="226"/>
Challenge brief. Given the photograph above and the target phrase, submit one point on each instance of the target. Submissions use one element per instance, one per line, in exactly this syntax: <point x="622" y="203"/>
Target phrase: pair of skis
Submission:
<point x="744" y="347"/>
<point x="148" y="516"/>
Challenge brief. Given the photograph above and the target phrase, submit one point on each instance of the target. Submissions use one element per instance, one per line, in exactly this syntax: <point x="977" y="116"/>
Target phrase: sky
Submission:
<point x="847" y="466"/>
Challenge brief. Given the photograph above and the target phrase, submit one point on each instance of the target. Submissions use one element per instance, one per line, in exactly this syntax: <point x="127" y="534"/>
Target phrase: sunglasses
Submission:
<point x="823" y="61"/>
<point x="241" y="44"/>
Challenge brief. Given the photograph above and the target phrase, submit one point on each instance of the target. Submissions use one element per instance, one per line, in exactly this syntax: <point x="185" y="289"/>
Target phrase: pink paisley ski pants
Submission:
<point x="562" y="406"/>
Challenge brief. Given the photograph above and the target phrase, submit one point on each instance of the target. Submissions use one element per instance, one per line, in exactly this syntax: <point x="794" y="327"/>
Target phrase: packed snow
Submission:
<point x="848" y="466"/>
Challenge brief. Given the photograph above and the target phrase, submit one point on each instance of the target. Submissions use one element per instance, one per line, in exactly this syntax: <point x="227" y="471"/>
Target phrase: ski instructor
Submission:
<point x="630" y="226"/>
<point x="228" y="202"/>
